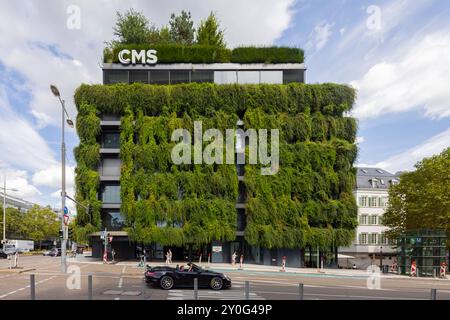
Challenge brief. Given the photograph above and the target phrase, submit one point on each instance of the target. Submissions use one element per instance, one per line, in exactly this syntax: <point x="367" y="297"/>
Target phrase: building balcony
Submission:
<point x="241" y="205"/>
<point x="110" y="123"/>
<point x="109" y="178"/>
<point x="109" y="150"/>
<point x="111" y="205"/>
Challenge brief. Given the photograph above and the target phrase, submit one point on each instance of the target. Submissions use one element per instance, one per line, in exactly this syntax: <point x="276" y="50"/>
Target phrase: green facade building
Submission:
<point x="125" y="171"/>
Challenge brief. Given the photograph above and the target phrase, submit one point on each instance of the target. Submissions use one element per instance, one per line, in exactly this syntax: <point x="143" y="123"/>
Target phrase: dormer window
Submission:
<point x="380" y="171"/>
<point x="364" y="170"/>
<point x="394" y="182"/>
<point x="374" y="182"/>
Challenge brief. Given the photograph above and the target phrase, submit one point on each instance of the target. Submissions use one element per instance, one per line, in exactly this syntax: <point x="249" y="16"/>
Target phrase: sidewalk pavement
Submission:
<point x="227" y="267"/>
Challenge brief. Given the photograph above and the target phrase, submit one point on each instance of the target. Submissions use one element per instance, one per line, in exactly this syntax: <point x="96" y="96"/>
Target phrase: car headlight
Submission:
<point x="226" y="277"/>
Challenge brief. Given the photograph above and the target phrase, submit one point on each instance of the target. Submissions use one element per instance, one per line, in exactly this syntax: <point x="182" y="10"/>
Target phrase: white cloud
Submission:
<point x="17" y="179"/>
<point x="319" y="37"/>
<point x="417" y="77"/>
<point x="359" y="140"/>
<point x="406" y="160"/>
<point x="51" y="177"/>
<point x="21" y="146"/>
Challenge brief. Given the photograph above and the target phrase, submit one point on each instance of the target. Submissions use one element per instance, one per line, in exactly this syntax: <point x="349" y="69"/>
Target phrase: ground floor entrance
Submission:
<point x="215" y="252"/>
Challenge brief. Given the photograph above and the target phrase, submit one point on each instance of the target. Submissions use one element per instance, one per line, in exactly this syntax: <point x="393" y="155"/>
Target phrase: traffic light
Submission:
<point x="70" y="234"/>
<point x="60" y="234"/>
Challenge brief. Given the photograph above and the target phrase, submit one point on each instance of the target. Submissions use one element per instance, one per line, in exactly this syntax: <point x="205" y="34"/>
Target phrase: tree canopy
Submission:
<point x="132" y="27"/>
<point x="39" y="223"/>
<point x="208" y="33"/>
<point x="182" y="28"/>
<point x="422" y="198"/>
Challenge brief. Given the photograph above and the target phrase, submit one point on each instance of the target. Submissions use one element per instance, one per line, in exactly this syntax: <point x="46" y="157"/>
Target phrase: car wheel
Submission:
<point x="166" y="282"/>
<point x="216" y="283"/>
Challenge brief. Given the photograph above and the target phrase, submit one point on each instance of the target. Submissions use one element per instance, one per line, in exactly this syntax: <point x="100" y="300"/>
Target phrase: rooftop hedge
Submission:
<point x="176" y="53"/>
<point x="308" y="203"/>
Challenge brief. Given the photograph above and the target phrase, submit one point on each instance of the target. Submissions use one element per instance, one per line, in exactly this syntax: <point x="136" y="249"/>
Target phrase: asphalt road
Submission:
<point x="125" y="282"/>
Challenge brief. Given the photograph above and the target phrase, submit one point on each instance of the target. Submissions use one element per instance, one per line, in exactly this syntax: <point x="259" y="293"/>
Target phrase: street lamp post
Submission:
<point x="56" y="93"/>
<point x="4" y="210"/>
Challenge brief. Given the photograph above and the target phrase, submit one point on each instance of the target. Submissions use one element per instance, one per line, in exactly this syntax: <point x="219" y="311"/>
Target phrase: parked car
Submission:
<point x="183" y="276"/>
<point x="55" y="252"/>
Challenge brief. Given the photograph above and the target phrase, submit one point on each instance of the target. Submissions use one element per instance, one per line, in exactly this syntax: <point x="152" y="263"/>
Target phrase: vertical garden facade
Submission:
<point x="146" y="201"/>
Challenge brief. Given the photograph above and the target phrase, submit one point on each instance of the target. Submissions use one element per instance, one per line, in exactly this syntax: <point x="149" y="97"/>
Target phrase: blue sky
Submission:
<point x="395" y="53"/>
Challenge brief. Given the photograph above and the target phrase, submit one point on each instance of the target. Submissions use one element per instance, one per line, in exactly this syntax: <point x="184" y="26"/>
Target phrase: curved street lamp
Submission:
<point x="69" y="121"/>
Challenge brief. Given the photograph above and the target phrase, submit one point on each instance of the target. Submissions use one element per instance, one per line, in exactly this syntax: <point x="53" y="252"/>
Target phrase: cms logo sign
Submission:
<point x="138" y="56"/>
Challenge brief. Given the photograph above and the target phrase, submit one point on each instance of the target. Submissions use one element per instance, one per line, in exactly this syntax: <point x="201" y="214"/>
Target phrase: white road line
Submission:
<point x="23" y="288"/>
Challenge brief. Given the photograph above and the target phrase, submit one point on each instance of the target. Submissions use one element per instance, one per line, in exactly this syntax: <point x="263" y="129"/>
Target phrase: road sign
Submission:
<point x="66" y="219"/>
<point x="103" y="235"/>
<point x="66" y="211"/>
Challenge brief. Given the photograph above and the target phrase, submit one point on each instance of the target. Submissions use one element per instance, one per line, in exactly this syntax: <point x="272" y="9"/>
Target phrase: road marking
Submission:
<point x="28" y="286"/>
<point x="211" y="295"/>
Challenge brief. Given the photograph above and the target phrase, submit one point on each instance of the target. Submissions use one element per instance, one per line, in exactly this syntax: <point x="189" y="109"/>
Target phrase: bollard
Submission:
<point x="300" y="291"/>
<point x="195" y="288"/>
<point x="32" y="287"/>
<point x="90" y="295"/>
<point x="434" y="273"/>
<point x="247" y="290"/>
<point x="433" y="294"/>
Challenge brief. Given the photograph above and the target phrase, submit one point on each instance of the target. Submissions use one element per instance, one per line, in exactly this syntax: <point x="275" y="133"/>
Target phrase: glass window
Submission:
<point x="139" y="76"/>
<point x="384" y="239"/>
<point x="241" y="220"/>
<point x="373" y="238"/>
<point x="113" y="220"/>
<point x="116" y="76"/>
<point x="242" y="198"/>
<point x="363" y="201"/>
<point x="111" y="194"/>
<point x="159" y="77"/>
<point x="111" y="140"/>
<point x="179" y="76"/>
<point x="272" y="77"/>
<point x="248" y="77"/>
<point x="363" y="220"/>
<point x="373" y="202"/>
<point x="363" y="238"/>
<point x="110" y="167"/>
<point x="202" y="76"/>
<point x="373" y="220"/>
<point x="225" y="77"/>
<point x="290" y="76"/>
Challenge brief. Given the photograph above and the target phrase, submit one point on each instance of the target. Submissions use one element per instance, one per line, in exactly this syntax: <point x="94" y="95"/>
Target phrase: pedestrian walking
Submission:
<point x="233" y="259"/>
<point x="170" y="256"/>
<point x="167" y="257"/>
<point x="113" y="253"/>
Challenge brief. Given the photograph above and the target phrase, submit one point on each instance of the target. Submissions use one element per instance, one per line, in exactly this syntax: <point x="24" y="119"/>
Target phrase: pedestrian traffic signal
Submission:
<point x="70" y="234"/>
<point x="60" y="234"/>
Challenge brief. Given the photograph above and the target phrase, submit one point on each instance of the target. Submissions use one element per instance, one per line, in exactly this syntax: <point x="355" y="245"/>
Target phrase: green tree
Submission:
<point x="159" y="36"/>
<point x="422" y="198"/>
<point x="132" y="28"/>
<point x="208" y="33"/>
<point x="182" y="28"/>
<point x="14" y="223"/>
<point x="41" y="223"/>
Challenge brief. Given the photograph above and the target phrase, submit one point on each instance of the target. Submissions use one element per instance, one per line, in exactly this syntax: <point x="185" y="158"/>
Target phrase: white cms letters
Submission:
<point x="138" y="56"/>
